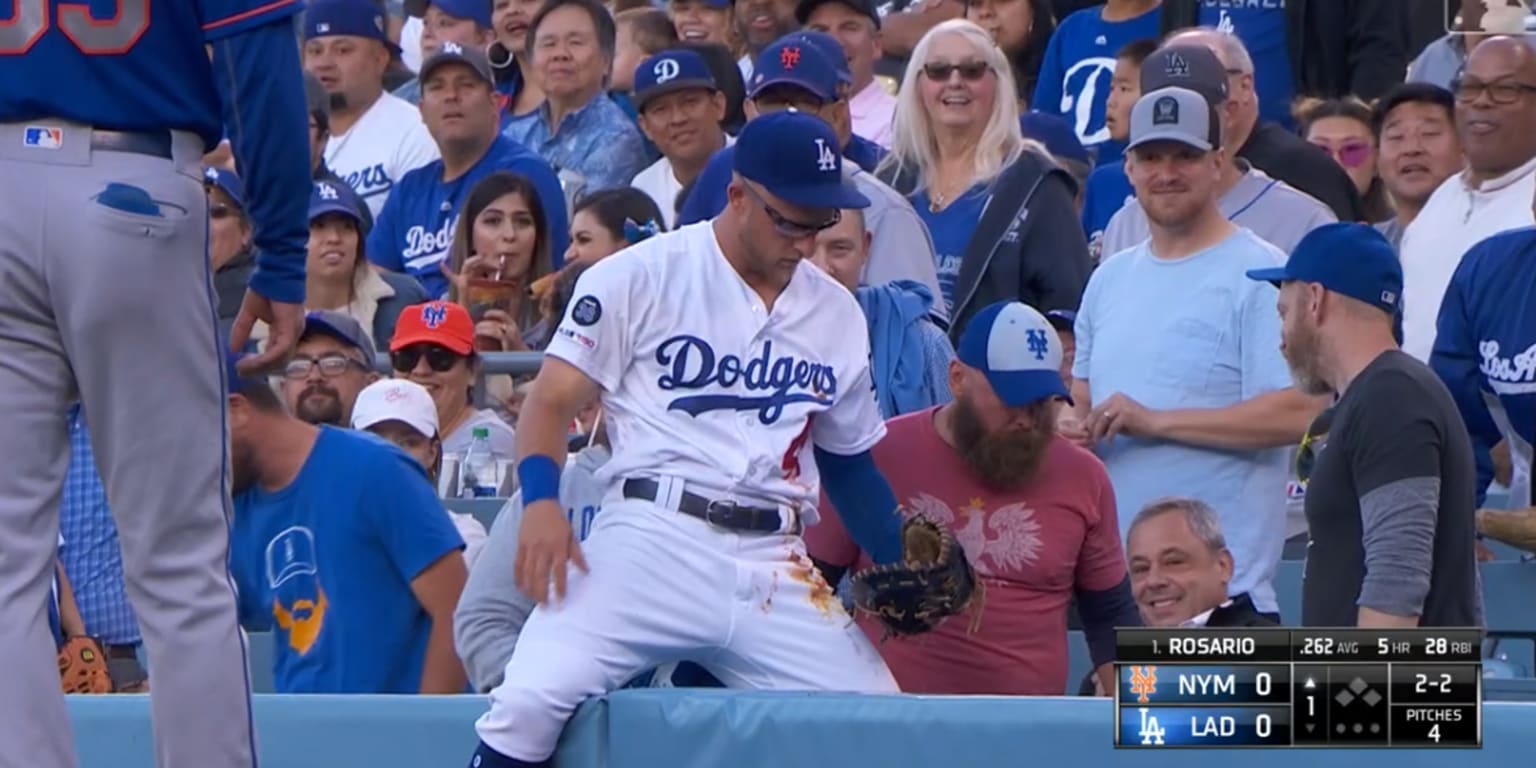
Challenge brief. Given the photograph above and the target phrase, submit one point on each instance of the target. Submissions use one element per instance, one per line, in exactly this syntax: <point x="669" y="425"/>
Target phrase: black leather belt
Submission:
<point x="156" y="144"/>
<point x="724" y="514"/>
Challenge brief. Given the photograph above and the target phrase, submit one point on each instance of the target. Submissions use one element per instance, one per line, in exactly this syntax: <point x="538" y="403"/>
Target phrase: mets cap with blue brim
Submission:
<point x="795" y="157"/>
<point x="1017" y="350"/>
<point x="1349" y="259"/>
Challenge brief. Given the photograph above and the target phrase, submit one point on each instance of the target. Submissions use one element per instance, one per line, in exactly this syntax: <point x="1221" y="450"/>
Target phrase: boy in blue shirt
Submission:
<point x="1108" y="187"/>
<point x="340" y="546"/>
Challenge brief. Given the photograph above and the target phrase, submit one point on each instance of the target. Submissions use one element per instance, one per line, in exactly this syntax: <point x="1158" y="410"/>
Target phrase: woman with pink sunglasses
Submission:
<point x="1342" y="128"/>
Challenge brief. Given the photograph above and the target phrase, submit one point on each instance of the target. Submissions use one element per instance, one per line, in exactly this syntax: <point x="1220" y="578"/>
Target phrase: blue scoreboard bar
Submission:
<point x="1276" y="687"/>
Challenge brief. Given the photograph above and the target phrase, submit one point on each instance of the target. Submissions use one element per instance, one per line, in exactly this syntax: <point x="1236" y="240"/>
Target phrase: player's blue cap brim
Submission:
<point x="843" y="195"/>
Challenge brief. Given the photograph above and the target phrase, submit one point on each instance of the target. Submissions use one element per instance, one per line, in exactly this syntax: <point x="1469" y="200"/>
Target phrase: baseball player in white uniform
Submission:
<point x="735" y="379"/>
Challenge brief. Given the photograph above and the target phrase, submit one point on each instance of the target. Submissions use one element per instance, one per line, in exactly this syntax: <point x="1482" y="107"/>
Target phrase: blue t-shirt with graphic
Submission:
<point x="1260" y="24"/>
<point x="327" y="563"/>
<point x="1107" y="192"/>
<point x="951" y="230"/>
<point x="1078" y="66"/>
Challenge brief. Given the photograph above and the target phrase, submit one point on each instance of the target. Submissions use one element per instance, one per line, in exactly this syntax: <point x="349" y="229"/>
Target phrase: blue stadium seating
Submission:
<point x="678" y="728"/>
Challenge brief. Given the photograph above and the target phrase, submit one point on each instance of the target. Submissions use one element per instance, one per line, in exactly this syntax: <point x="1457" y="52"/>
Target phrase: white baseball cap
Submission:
<point x="395" y="400"/>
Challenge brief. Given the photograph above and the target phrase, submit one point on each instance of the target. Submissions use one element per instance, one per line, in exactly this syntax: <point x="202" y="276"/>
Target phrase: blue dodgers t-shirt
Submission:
<point x="951" y="230"/>
<point x="327" y="563"/>
<point x="1107" y="192"/>
<point x="415" y="228"/>
<point x="706" y="199"/>
<point x="1078" y="66"/>
<point x="1260" y="24"/>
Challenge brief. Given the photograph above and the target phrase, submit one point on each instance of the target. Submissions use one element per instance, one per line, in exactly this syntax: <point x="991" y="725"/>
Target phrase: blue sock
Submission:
<point x="485" y="757"/>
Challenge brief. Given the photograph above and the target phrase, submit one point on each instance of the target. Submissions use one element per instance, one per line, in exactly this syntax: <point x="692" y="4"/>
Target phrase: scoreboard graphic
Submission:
<point x="1277" y="687"/>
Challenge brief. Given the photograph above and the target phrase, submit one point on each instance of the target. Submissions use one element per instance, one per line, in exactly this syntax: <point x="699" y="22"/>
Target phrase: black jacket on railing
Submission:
<point x="1029" y="245"/>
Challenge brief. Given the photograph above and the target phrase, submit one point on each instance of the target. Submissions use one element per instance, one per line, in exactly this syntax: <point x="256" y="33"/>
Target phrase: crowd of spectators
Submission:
<point x="1247" y="226"/>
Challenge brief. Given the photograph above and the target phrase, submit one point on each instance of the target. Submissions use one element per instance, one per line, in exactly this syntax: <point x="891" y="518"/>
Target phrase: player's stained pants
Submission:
<point x="663" y="587"/>
<point x="116" y="307"/>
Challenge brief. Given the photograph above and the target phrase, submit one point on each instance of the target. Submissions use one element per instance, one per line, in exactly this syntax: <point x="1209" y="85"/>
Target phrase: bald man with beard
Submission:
<point x="1034" y="512"/>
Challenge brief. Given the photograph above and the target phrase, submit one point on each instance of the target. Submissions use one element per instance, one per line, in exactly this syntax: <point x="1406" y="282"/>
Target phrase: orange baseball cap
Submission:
<point x="435" y="322"/>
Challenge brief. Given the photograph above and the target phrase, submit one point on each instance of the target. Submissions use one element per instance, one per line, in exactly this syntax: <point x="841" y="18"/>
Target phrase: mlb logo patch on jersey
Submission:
<point x="43" y="137"/>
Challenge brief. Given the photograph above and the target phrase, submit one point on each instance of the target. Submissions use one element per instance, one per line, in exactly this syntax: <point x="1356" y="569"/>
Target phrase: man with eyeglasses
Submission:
<point x="331" y="364"/>
<point x="1496" y="120"/>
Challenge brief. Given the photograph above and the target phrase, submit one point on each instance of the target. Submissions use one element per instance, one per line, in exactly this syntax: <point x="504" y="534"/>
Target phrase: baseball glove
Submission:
<point x="934" y="581"/>
<point x="83" y="667"/>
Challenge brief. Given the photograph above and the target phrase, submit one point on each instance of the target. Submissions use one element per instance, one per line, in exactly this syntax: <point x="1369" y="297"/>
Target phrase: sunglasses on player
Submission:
<point x="970" y="71"/>
<point x="788" y="227"/>
<point x="439" y="359"/>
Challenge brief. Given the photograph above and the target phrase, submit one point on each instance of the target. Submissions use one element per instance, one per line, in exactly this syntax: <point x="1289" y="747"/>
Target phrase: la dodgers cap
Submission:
<point x="347" y="18"/>
<point x="443" y="323"/>
<point x="795" y="156"/>
<point x="1175" y="114"/>
<point x="395" y="400"/>
<point x="1193" y="67"/>
<point x="340" y="326"/>
<point x="454" y="53"/>
<point x="1016" y="348"/>
<point x="331" y="197"/>
<point x="1350" y="259"/>
<point x="671" y="71"/>
<point x="477" y="10"/>
<point x="804" y="10"/>
<point x="790" y="61"/>
<point x="228" y="182"/>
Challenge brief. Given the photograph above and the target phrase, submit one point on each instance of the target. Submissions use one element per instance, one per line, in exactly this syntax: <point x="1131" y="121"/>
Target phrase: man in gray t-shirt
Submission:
<point x="1270" y="208"/>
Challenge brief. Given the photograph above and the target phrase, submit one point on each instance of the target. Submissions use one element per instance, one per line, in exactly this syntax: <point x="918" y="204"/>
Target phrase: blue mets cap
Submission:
<point x="347" y="18"/>
<point x="331" y="197"/>
<point x="795" y="157"/>
<point x="1062" y="319"/>
<point x="1056" y="134"/>
<point x="671" y="71"/>
<point x="340" y="326"/>
<point x="1017" y="350"/>
<point x="227" y="182"/>
<point x="829" y="45"/>
<point x="797" y="62"/>
<point x="478" y="11"/>
<point x="1349" y="259"/>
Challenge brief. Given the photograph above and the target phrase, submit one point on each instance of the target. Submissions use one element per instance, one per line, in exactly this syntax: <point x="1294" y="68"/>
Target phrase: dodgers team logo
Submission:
<point x="1081" y="86"/>
<point x="327" y="192"/>
<point x="666" y="70"/>
<point x="692" y="363"/>
<point x="826" y="159"/>
<point x="1512" y="373"/>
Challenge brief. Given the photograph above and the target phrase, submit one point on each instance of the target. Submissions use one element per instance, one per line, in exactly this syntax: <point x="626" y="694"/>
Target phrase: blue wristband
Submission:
<point x="539" y="477"/>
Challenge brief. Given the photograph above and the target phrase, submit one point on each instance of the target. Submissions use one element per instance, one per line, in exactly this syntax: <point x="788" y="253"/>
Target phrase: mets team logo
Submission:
<point x="433" y="314"/>
<point x="293" y="576"/>
<point x="772" y="383"/>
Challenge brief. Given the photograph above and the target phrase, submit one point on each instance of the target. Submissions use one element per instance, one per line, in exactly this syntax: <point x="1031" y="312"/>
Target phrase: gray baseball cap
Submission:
<point x="1175" y="114"/>
<point x="1194" y="67"/>
<point x="453" y="53"/>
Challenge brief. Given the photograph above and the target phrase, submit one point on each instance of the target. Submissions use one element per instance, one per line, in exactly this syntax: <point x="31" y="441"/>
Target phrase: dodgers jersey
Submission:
<point x="414" y="232"/>
<point x="387" y="142"/>
<point x="126" y="65"/>
<point x="701" y="382"/>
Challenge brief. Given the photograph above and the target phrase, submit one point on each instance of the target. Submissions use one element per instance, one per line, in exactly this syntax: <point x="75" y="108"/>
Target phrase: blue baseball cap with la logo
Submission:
<point x="1017" y="350"/>
<point x="795" y="157"/>
<point x="334" y="197"/>
<point x="1353" y="260"/>
<point x="669" y="72"/>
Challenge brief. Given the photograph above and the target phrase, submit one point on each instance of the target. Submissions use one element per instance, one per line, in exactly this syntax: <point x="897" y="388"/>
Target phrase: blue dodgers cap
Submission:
<point x="340" y="326"/>
<point x="795" y="157"/>
<point x="347" y="18"/>
<point x="1018" y="351"/>
<point x="228" y="182"/>
<point x="791" y="60"/>
<point x="478" y="11"/>
<point x="671" y="71"/>
<point x="1349" y="259"/>
<point x="1056" y="134"/>
<point x="330" y="197"/>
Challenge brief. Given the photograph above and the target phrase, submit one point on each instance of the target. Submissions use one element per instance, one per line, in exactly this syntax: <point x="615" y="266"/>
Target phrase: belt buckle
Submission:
<point x="717" y="513"/>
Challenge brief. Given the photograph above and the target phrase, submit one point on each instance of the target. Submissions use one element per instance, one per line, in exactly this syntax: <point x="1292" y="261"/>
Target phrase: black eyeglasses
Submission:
<point x="939" y="71"/>
<point x="790" y="228"/>
<point x="330" y="366"/>
<point x="1499" y="93"/>
<point x="439" y="359"/>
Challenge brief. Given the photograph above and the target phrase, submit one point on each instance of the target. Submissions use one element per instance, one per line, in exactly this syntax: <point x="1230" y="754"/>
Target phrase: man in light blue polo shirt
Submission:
<point x="1178" y="380"/>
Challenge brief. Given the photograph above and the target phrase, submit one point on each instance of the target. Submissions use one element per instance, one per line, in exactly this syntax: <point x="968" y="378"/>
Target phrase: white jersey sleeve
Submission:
<point x="853" y="424"/>
<point x="597" y="334"/>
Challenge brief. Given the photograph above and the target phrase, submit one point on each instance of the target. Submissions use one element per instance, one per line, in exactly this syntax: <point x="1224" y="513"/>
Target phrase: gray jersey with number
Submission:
<point x="1275" y="211"/>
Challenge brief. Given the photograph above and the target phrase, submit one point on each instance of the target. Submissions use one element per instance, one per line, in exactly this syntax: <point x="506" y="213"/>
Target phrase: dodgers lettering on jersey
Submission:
<point x="1079" y="64"/>
<point x="702" y="383"/>
<point x="385" y="143"/>
<point x="127" y="65"/>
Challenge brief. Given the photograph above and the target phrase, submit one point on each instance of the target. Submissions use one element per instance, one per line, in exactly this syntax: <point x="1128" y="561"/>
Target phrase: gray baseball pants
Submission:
<point x="110" y="302"/>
